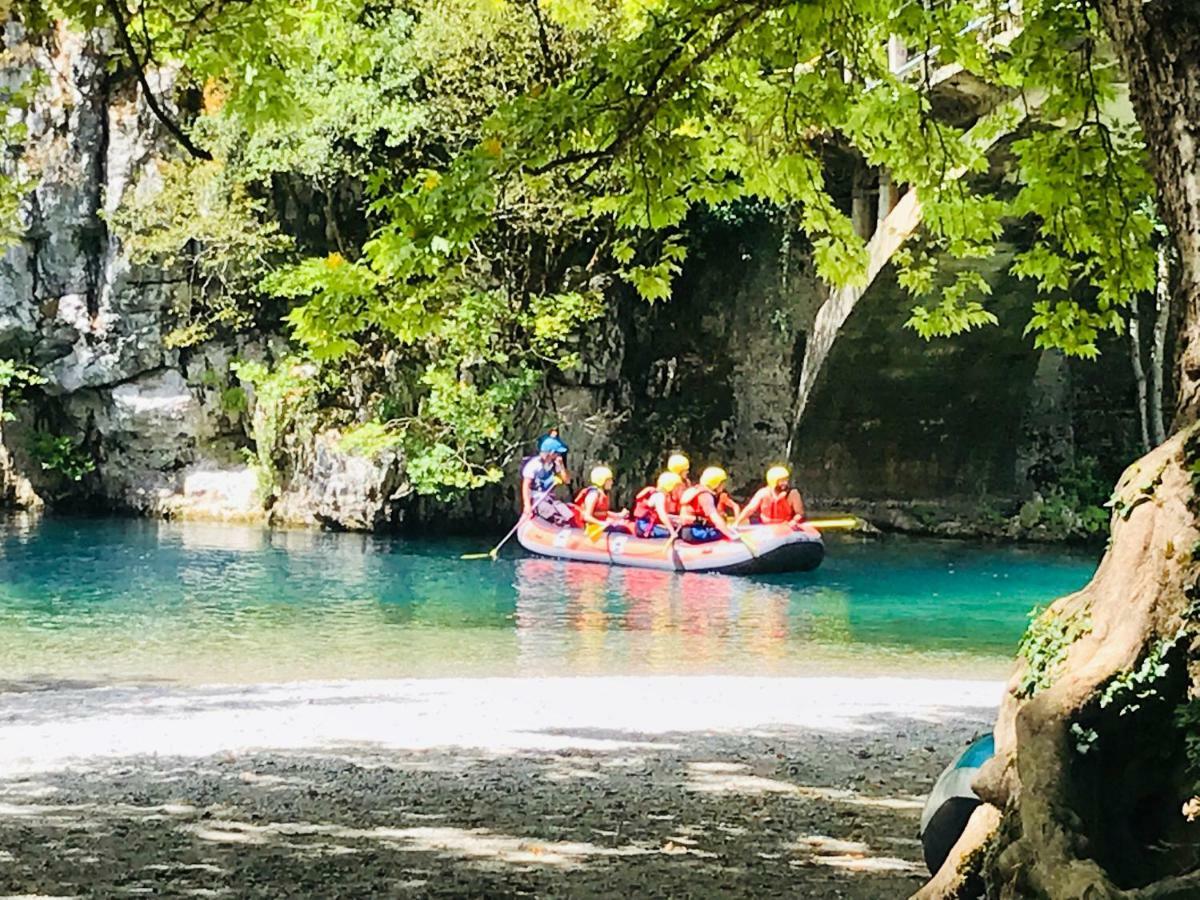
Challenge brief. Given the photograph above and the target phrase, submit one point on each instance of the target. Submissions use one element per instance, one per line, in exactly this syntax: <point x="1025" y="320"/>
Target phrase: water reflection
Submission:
<point x="664" y="621"/>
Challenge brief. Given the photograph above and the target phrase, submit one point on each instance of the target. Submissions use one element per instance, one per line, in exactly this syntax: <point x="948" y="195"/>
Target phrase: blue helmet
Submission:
<point x="552" y="445"/>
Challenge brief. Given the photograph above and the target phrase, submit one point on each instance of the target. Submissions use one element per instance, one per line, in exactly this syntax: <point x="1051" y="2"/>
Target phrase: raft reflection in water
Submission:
<point x="667" y="622"/>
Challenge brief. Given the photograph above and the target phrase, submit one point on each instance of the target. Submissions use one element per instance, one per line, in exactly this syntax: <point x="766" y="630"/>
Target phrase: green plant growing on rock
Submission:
<point x="370" y="439"/>
<point x="195" y="220"/>
<point x="15" y="378"/>
<point x="279" y="393"/>
<point x="234" y="401"/>
<point x="61" y="454"/>
<point x="1071" y="503"/>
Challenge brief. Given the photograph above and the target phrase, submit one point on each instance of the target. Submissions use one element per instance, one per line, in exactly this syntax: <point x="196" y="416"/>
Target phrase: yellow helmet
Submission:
<point x="679" y="464"/>
<point x="601" y="475"/>
<point x="713" y="477"/>
<point x="776" y="474"/>
<point x="668" y="481"/>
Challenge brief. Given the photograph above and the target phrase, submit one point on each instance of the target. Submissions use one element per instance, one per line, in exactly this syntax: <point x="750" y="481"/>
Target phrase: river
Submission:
<point x="98" y="600"/>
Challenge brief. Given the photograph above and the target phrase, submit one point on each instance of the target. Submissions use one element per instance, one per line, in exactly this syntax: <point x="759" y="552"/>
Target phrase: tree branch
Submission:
<point x="114" y="9"/>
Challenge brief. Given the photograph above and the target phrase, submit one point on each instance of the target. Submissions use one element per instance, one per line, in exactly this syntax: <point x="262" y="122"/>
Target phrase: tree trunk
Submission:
<point x="1159" y="42"/>
<point x="1139" y="374"/>
<point x="1158" y="346"/>
<point x="1090" y="772"/>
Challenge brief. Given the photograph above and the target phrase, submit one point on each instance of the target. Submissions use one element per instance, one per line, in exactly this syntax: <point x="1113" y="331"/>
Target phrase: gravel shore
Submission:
<point x="551" y="787"/>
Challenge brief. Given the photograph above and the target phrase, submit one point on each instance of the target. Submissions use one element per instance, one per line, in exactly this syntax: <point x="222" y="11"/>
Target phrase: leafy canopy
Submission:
<point x="476" y="170"/>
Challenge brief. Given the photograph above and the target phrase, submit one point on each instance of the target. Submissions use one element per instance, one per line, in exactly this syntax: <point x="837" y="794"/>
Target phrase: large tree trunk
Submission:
<point x="1159" y="42"/>
<point x="1084" y="797"/>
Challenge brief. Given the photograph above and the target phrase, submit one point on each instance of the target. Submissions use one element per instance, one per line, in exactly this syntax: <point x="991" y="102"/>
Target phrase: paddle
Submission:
<point x="749" y="544"/>
<point x="849" y="522"/>
<point x="670" y="544"/>
<point x="495" y="551"/>
<point x="672" y="554"/>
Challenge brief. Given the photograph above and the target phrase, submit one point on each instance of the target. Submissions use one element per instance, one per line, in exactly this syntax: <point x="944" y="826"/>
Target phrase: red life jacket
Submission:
<point x="600" y="510"/>
<point x="689" y="505"/>
<point x="776" y="508"/>
<point x="673" y="504"/>
<point x="642" y="507"/>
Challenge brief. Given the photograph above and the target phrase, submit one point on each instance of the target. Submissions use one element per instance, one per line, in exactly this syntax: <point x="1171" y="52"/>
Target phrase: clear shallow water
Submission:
<point x="118" y="599"/>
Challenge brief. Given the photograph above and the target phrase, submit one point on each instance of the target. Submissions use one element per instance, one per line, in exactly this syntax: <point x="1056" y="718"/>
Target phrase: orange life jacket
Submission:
<point x="776" y="508"/>
<point x="600" y="510"/>
<point x="689" y="505"/>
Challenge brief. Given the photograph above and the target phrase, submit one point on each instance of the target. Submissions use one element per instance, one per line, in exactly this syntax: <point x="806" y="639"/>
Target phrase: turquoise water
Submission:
<point x="132" y="599"/>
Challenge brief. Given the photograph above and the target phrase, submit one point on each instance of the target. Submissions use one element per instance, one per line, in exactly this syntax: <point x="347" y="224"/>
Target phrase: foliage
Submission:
<point x="1085" y="738"/>
<point x="1187" y="720"/>
<point x="483" y="169"/>
<point x="234" y="400"/>
<point x="1123" y="504"/>
<point x="278" y="395"/>
<point x="61" y="454"/>
<point x="1130" y="690"/>
<point x="1044" y="647"/>
<point x="191" y="218"/>
<point x="1071" y="502"/>
<point x="703" y="104"/>
<point x="369" y="439"/>
<point x="14" y="379"/>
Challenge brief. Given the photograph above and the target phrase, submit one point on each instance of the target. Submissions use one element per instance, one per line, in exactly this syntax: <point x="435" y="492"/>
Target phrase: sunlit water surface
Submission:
<point x="129" y="599"/>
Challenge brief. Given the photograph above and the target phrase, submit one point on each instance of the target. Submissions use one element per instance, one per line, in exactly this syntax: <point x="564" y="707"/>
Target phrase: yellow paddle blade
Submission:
<point x="476" y="556"/>
<point x="593" y="531"/>
<point x="828" y="524"/>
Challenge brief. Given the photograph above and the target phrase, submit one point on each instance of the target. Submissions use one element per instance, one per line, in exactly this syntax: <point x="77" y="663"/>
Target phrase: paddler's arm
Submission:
<point x="560" y="467"/>
<point x="750" y="508"/>
<point x="668" y="521"/>
<point x="709" y="505"/>
<point x="797" y="505"/>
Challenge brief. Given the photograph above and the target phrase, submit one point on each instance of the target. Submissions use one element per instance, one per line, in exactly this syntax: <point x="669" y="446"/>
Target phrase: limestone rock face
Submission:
<point x="341" y="491"/>
<point x="147" y="430"/>
<point x="158" y="424"/>
<point x="74" y="305"/>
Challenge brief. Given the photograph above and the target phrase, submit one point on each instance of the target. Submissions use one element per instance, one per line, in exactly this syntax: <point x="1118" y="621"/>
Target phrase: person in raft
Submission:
<point x="701" y="509"/>
<point x="656" y="507"/>
<point x="776" y="503"/>
<point x="681" y="466"/>
<point x="540" y="475"/>
<point x="592" y="503"/>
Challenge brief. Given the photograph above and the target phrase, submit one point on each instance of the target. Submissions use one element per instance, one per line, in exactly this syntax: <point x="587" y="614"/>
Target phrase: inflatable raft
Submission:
<point x="767" y="548"/>
<point x="952" y="801"/>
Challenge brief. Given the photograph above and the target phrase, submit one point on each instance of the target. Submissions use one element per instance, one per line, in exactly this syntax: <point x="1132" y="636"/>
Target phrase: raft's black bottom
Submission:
<point x="801" y="556"/>
<point x="944" y="830"/>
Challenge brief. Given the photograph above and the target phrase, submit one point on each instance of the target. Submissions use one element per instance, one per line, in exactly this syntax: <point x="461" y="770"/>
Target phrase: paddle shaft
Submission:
<point x="496" y="550"/>
<point x="847" y="522"/>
